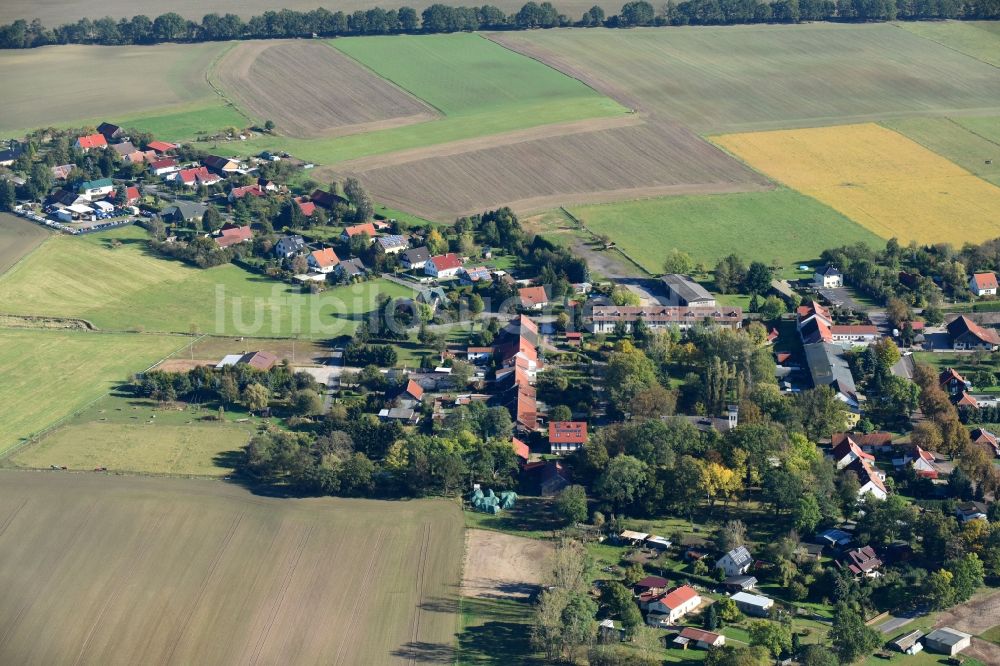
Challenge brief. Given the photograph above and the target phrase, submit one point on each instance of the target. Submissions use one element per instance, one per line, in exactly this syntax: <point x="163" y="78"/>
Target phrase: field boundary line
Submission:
<point x="947" y="46"/>
<point x="960" y="126"/>
<point x="217" y="88"/>
<point x="50" y="236"/>
<point x="573" y="218"/>
<point x="386" y="78"/>
<point x="35" y="437"/>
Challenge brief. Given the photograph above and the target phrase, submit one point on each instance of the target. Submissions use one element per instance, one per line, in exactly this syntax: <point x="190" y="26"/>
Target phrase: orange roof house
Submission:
<point x="567" y="436"/>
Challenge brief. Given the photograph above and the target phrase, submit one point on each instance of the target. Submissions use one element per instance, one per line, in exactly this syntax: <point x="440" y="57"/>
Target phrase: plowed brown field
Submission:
<point x="310" y="89"/>
<point x="99" y="569"/>
<point x="588" y="162"/>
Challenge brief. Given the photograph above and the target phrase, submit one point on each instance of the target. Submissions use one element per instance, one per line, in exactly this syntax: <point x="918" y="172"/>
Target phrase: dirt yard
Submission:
<point x="503" y="566"/>
<point x="310" y="89"/>
<point x="974" y="617"/>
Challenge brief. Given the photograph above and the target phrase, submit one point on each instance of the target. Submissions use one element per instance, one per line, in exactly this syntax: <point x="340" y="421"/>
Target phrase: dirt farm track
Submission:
<point x="99" y="569"/>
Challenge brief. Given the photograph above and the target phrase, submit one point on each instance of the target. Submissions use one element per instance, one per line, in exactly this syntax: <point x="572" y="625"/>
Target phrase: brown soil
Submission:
<point x="503" y="566"/>
<point x="584" y="162"/>
<point x="310" y="89"/>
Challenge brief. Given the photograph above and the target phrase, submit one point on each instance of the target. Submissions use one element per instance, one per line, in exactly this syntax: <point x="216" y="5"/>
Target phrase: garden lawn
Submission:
<point x="129" y="288"/>
<point x="48" y="375"/>
<point x="781" y="227"/>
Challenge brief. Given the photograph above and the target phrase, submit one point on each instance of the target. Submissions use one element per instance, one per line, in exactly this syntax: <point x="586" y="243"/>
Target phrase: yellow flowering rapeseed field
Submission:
<point x="878" y="178"/>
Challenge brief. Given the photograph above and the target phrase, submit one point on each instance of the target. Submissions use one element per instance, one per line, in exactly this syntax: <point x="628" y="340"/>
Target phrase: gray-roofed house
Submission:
<point x="183" y="211"/>
<point x="753" y="604"/>
<point x="828" y="367"/>
<point x="289" y="246"/>
<point x="415" y="258"/>
<point x="736" y="562"/>
<point x="828" y="277"/>
<point x="740" y="583"/>
<point x="947" y="641"/>
<point x="350" y="268"/>
<point x="683" y="291"/>
<point x="391" y="244"/>
<point x="404" y="414"/>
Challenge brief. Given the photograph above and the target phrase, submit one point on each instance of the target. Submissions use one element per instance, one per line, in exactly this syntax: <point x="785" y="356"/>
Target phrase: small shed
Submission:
<point x="635" y="538"/>
<point x="910" y="643"/>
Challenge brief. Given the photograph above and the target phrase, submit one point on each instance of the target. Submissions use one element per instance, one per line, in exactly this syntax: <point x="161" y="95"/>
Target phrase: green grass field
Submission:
<point x="722" y="79"/>
<point x="957" y="141"/>
<point x="18" y="238"/>
<point x="978" y="39"/>
<point x="127" y="288"/>
<point x="202" y="449"/>
<point x="780" y="227"/>
<point x="48" y="375"/>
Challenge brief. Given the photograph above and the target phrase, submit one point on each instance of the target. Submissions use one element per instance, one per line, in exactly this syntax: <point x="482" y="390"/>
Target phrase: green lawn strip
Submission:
<point x="495" y="631"/>
<point x="48" y="375"/>
<point x="951" y="138"/>
<point x="779" y="227"/>
<point x="128" y="288"/>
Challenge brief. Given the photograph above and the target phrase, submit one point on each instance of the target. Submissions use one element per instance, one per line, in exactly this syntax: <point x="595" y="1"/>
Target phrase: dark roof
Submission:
<point x="828" y="367"/>
<point x="963" y="325"/>
<point x="417" y="254"/>
<point x="686" y="289"/>
<point x="326" y="199"/>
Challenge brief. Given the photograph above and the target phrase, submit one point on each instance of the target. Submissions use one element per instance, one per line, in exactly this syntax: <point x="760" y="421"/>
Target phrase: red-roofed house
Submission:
<point x="533" y="298"/>
<point x="164" y="166"/>
<point x="667" y="609"/>
<point x="85" y="143"/>
<point x="846" y="451"/>
<point x="706" y="640"/>
<point x="413" y="391"/>
<point x="232" y="235"/>
<point x="443" y="266"/>
<point x="862" y="562"/>
<point x="323" y="261"/>
<point x="307" y="207"/>
<point x="870" y="478"/>
<point x="132" y="195"/>
<point x="240" y="192"/>
<point x="987" y="441"/>
<point x="198" y="176"/>
<point x="358" y="229"/>
<point x="567" y="436"/>
<point x="983" y="284"/>
<point x="258" y="360"/>
<point x="161" y="146"/>
<point x="921" y="461"/>
<point x="521" y="449"/>
<point x="952" y="382"/>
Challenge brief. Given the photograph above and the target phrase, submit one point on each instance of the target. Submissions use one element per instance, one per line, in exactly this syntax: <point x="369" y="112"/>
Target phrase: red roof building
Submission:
<point x="984" y="283"/>
<point x="161" y="146"/>
<point x="307" y="207"/>
<point x="240" y="192"/>
<point x="324" y="260"/>
<point x="85" y="143"/>
<point x="132" y="195"/>
<point x="444" y="263"/>
<point x="567" y="436"/>
<point x="232" y="235"/>
<point x="198" y="176"/>
<point x="358" y="229"/>
<point x="521" y="449"/>
<point x="533" y="298"/>
<point x="414" y="390"/>
<point x="259" y="360"/>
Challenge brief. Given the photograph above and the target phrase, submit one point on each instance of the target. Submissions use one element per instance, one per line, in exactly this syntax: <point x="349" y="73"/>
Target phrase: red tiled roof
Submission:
<point x="678" y="596"/>
<point x="985" y="280"/>
<point x="568" y="432"/>
<point x="950" y="374"/>
<point x="161" y="146"/>
<point x="131" y="194"/>
<point x="444" y="262"/>
<point x="240" y="192"/>
<point x="357" y="229"/>
<point x="188" y="176"/>
<point x="652" y="581"/>
<point x="521" y="449"/>
<point x="325" y="257"/>
<point x="259" y="360"/>
<point x="532" y="296"/>
<point x="773" y="335"/>
<point x="693" y="634"/>
<point x="92" y="141"/>
<point x="781" y="357"/>
<point x="307" y="207"/>
<point x="233" y="235"/>
<point x="863" y="468"/>
<point x="163" y="164"/>
<point x="415" y="389"/>
<point x="848" y="445"/>
<point x="986" y="335"/>
<point x="966" y="399"/>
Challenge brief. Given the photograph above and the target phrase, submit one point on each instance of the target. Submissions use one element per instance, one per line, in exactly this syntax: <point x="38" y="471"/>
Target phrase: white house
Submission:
<point x="392" y="244"/>
<point x="415" y="258"/>
<point x="828" y="277"/>
<point x="289" y="246"/>
<point x="323" y="261"/>
<point x="736" y="562"/>
<point x="443" y="266"/>
<point x="753" y="604"/>
<point x="93" y="189"/>
<point x="983" y="284"/>
<point x="668" y="608"/>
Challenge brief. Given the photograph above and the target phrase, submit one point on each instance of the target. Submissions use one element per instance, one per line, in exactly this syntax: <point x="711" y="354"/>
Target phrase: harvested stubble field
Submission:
<point x="48" y="374"/>
<point x="887" y="183"/>
<point x="18" y="237"/>
<point x="100" y="569"/>
<point x="77" y="85"/>
<point x="309" y="89"/>
<point x="741" y="78"/>
<point x="781" y="227"/>
<point x="591" y="161"/>
<point x="127" y="288"/>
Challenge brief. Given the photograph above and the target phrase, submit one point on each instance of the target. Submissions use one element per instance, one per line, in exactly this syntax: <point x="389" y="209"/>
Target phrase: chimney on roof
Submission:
<point x="733" y="413"/>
